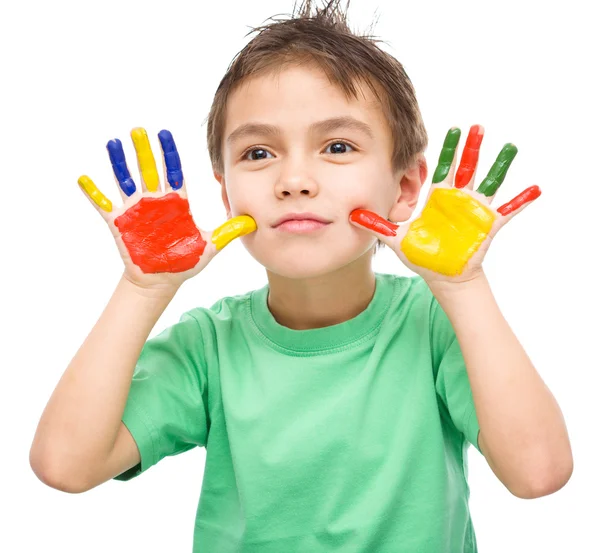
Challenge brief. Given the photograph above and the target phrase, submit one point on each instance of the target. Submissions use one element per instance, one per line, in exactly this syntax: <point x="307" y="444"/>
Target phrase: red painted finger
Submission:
<point x="470" y="157"/>
<point x="524" y="197"/>
<point x="373" y="221"/>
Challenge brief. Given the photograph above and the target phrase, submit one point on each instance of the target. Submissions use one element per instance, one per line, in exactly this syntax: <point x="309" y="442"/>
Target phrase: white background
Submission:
<point x="76" y="74"/>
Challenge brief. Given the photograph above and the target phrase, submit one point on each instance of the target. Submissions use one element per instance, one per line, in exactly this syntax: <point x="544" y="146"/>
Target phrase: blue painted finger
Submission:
<point x="172" y="161"/>
<point x="117" y="158"/>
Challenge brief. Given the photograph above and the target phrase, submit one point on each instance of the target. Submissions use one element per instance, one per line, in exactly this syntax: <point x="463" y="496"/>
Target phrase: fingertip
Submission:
<point x="138" y="132"/>
<point x="114" y="145"/>
<point x="355" y="214"/>
<point x="165" y="133"/>
<point x="166" y="140"/>
<point x="232" y="229"/>
<point x="83" y="180"/>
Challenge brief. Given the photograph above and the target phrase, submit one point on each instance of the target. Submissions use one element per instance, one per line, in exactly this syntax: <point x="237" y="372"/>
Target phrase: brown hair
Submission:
<point x="325" y="39"/>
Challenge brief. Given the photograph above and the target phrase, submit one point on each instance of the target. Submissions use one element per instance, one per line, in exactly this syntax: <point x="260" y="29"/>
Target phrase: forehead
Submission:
<point x="294" y="96"/>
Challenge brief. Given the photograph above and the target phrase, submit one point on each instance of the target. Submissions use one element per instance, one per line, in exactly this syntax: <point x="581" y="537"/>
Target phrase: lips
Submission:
<point x="299" y="217"/>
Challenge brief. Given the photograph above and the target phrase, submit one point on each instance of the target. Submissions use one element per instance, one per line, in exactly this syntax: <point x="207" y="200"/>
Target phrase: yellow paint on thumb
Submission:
<point x="234" y="228"/>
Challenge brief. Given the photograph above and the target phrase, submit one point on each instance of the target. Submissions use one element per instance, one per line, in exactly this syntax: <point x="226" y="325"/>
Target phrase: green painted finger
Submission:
<point x="446" y="155"/>
<point x="495" y="177"/>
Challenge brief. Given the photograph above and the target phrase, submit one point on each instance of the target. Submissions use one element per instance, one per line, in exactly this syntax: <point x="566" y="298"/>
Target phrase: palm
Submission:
<point x="158" y="240"/>
<point x="450" y="237"/>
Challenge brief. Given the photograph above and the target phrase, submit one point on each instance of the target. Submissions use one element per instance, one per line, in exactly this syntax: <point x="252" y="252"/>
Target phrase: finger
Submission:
<point x="145" y="158"/>
<point x="381" y="228"/>
<point x="171" y="161"/>
<point x="465" y="175"/>
<point x="120" y="169"/>
<point x="447" y="160"/>
<point x="518" y="203"/>
<point x="231" y="229"/>
<point x="489" y="186"/>
<point x="99" y="200"/>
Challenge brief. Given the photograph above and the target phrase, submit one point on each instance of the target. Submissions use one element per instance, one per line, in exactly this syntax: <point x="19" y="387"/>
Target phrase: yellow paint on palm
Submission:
<point x="92" y="191"/>
<point x="145" y="158"/>
<point x="449" y="231"/>
<point x="234" y="228"/>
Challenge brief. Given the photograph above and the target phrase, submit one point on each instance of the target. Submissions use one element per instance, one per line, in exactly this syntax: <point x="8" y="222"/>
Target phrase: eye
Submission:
<point x="256" y="154"/>
<point x="339" y="147"/>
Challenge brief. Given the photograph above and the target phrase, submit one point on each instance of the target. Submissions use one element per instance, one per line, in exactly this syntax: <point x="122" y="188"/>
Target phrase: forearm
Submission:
<point x="526" y="440"/>
<point x="80" y="422"/>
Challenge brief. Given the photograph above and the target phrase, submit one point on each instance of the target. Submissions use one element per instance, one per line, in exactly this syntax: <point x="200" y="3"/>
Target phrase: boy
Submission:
<point x="336" y="405"/>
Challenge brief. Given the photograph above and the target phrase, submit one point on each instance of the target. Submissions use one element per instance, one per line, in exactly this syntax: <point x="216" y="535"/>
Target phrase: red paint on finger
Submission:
<point x="373" y="222"/>
<point x="470" y="157"/>
<point x="160" y="234"/>
<point x="524" y="197"/>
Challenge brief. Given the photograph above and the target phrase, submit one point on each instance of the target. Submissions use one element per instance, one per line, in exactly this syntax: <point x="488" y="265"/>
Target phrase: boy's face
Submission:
<point x="308" y="168"/>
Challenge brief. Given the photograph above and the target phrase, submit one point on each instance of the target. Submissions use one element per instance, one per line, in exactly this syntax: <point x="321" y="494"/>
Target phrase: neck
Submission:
<point x="302" y="304"/>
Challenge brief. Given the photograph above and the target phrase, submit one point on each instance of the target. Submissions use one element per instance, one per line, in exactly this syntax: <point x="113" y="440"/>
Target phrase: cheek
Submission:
<point x="244" y="194"/>
<point x="365" y="185"/>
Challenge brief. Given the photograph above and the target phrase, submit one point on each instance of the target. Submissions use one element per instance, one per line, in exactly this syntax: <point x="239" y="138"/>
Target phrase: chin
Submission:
<point x="304" y="259"/>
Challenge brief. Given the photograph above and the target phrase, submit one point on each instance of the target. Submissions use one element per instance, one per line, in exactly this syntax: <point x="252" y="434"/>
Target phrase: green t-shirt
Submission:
<point x="348" y="438"/>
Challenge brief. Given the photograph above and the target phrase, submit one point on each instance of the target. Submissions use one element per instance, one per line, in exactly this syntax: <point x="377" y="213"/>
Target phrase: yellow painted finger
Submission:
<point x="449" y="231"/>
<point x="145" y="158"/>
<point x="92" y="191"/>
<point x="234" y="228"/>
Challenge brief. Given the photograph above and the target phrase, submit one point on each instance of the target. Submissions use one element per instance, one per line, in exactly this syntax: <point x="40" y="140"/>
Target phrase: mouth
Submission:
<point x="301" y="222"/>
<point x="301" y="225"/>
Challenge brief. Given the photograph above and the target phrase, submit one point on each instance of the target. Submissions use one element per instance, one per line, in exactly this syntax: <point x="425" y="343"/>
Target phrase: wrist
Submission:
<point x="154" y="292"/>
<point x="446" y="290"/>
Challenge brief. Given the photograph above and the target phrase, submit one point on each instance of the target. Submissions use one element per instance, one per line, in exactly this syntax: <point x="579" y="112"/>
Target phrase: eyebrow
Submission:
<point x="324" y="126"/>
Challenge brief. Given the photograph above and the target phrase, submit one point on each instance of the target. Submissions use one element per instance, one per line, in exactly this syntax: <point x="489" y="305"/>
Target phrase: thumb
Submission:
<point x="379" y="227"/>
<point x="232" y="229"/>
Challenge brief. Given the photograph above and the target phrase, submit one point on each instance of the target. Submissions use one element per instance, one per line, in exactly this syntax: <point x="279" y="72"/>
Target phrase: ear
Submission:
<point x="411" y="181"/>
<point x="221" y="180"/>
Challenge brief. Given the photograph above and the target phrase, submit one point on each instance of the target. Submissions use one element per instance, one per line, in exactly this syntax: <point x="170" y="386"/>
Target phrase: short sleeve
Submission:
<point x="451" y="378"/>
<point x="166" y="409"/>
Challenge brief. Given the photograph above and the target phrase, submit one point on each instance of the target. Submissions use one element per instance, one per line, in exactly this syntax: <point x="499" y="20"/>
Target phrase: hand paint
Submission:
<point x="92" y="191"/>
<point x="373" y="221"/>
<point x="234" y="228"/>
<point x="119" y="165"/>
<point x="489" y="186"/>
<point x="172" y="161"/>
<point x="449" y="231"/>
<point x="528" y="195"/>
<point x="453" y="224"/>
<point x="470" y="157"/>
<point x="145" y="159"/>
<point x="446" y="155"/>
<point x="160" y="234"/>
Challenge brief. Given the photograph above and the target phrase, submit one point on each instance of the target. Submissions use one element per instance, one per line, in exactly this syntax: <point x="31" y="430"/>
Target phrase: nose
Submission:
<point x="294" y="178"/>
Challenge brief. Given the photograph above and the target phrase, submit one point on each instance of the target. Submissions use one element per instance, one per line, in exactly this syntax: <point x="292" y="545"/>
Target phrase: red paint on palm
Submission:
<point x="160" y="234"/>
<point x="470" y="157"/>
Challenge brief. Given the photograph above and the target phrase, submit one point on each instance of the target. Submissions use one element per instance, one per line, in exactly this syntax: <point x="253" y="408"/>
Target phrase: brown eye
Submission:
<point x="256" y="154"/>
<point x="339" y="147"/>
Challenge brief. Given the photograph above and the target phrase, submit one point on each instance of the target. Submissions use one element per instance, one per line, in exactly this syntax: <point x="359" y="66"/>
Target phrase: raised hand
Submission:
<point x="154" y="231"/>
<point x="448" y="241"/>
